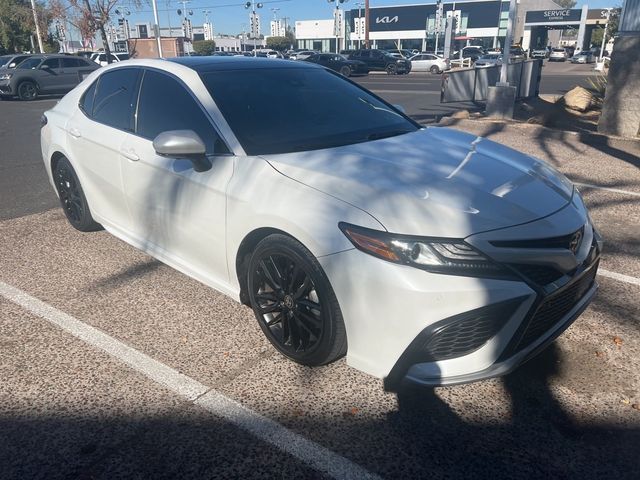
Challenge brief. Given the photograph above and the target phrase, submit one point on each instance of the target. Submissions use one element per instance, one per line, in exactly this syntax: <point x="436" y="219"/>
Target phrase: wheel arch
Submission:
<point x="243" y="254"/>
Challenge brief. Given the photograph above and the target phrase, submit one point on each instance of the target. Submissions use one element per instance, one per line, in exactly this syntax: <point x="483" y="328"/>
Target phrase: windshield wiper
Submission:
<point x="391" y="133"/>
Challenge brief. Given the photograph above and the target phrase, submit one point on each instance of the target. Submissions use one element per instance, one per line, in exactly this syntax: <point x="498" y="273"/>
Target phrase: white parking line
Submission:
<point x="312" y="454"/>
<point x="618" y="276"/>
<point x="615" y="190"/>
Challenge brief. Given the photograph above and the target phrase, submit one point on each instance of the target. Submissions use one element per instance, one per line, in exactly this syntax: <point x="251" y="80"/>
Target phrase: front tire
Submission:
<point x="27" y="91"/>
<point x="346" y="71"/>
<point x="294" y="303"/>
<point x="391" y="69"/>
<point x="72" y="199"/>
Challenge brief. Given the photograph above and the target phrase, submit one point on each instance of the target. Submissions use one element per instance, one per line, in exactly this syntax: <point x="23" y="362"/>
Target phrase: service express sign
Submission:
<point x="554" y="16"/>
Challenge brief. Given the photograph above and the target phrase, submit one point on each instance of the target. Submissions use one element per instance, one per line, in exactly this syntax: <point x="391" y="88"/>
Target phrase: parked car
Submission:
<point x="12" y="61"/>
<point x="379" y="60"/>
<point x="101" y="58"/>
<point x="44" y="74"/>
<point x="558" y="55"/>
<point x="304" y="54"/>
<point x="339" y="63"/>
<point x="428" y="62"/>
<point x="517" y="54"/>
<point x="584" y="56"/>
<point x="539" y="53"/>
<point x="472" y="51"/>
<point x="404" y="53"/>
<point x="488" y="60"/>
<point x="347" y="227"/>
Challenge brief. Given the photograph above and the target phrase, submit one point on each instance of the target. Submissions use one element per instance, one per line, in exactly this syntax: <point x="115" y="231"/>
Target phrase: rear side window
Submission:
<point x="115" y="98"/>
<point x="71" y="62"/>
<point x="52" y="63"/>
<point x="86" y="102"/>
<point x="165" y="104"/>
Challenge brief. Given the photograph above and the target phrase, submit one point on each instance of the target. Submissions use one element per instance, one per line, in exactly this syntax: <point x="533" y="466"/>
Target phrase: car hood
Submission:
<point x="433" y="182"/>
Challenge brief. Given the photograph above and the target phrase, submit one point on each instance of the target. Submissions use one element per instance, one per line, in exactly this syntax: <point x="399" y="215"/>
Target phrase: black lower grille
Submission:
<point x="555" y="307"/>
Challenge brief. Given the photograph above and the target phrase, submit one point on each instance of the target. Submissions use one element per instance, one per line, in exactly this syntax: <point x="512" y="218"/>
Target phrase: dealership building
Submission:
<point x="539" y="23"/>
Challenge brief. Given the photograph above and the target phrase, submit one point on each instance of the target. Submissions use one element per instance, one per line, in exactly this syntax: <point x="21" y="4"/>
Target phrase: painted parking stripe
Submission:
<point x="310" y="453"/>
<point x="618" y="276"/>
<point x="615" y="190"/>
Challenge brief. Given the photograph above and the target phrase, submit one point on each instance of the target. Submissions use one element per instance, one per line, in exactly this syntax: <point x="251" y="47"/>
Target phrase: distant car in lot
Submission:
<point x="339" y="63"/>
<point x="85" y="54"/>
<point x="539" y="53"/>
<point x="382" y="61"/>
<point x="428" y="62"/>
<point x="558" y="55"/>
<point x="44" y="74"/>
<point x="422" y="253"/>
<point x="404" y="53"/>
<point x="585" y="56"/>
<point x="304" y="54"/>
<point x="472" y="51"/>
<point x="517" y="54"/>
<point x="101" y="58"/>
<point x="489" y="60"/>
<point x="12" y="61"/>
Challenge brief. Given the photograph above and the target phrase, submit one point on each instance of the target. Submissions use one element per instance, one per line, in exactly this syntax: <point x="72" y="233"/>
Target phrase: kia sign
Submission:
<point x="387" y="19"/>
<point x="554" y="16"/>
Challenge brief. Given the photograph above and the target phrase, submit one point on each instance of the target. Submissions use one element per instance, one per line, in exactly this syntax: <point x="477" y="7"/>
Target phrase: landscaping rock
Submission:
<point x="578" y="98"/>
<point x="460" y="114"/>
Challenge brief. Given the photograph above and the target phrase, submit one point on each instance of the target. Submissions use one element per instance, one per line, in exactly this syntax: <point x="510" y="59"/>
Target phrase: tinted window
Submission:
<point x="30" y="63"/>
<point x="115" y="98"/>
<point x="71" y="62"/>
<point x="286" y="110"/>
<point x="165" y="104"/>
<point x="86" y="102"/>
<point x="52" y="63"/>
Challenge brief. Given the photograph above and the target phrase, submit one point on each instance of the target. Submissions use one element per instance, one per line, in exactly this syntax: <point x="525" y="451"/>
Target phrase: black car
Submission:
<point x="44" y="74"/>
<point x="12" y="61"/>
<point x="382" y="61"/>
<point x="339" y="63"/>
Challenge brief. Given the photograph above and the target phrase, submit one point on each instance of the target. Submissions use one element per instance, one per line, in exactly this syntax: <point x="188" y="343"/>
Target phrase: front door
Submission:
<point x="177" y="211"/>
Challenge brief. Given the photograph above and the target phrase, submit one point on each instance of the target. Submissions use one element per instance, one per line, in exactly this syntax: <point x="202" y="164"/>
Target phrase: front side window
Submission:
<point x="30" y="63"/>
<point x="283" y="110"/>
<point x="165" y="104"/>
<point x="71" y="62"/>
<point x="115" y="98"/>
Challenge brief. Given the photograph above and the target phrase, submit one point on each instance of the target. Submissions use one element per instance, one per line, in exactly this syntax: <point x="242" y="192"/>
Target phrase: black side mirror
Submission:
<point x="183" y="144"/>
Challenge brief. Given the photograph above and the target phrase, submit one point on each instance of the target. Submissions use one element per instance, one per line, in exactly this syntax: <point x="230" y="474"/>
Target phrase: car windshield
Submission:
<point x="5" y="59"/>
<point x="558" y="50"/>
<point x="284" y="110"/>
<point x="30" y="63"/>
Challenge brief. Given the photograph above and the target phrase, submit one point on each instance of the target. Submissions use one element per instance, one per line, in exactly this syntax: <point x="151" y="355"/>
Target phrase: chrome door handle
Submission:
<point x="75" y="133"/>
<point x="130" y="154"/>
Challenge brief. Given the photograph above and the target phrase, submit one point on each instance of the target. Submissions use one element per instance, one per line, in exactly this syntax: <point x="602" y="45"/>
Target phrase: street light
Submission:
<point x="359" y="5"/>
<point x="253" y="20"/>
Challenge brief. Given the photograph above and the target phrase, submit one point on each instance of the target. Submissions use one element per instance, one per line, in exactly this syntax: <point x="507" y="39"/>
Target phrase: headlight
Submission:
<point x="432" y="254"/>
<point x="399" y="61"/>
<point x="5" y="76"/>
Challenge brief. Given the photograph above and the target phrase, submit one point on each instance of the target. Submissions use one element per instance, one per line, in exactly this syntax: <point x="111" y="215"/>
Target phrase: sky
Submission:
<point x="228" y="16"/>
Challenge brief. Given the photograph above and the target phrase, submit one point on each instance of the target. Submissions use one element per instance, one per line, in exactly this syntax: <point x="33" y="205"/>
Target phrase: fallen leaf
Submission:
<point x="354" y="411"/>
<point x="636" y="406"/>
<point x="599" y="354"/>
<point x="617" y="341"/>
<point x="626" y="401"/>
<point x="226" y="354"/>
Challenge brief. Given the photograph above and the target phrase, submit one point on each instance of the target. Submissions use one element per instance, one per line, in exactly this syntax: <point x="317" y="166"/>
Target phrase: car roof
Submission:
<point x="211" y="64"/>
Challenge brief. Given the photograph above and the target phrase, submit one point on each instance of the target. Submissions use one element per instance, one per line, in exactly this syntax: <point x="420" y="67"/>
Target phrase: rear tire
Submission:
<point x="294" y="303"/>
<point x="72" y="199"/>
<point x="27" y="91"/>
<point x="346" y="71"/>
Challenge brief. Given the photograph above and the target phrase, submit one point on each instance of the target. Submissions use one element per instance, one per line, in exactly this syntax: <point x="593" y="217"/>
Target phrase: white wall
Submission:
<point x="314" y="29"/>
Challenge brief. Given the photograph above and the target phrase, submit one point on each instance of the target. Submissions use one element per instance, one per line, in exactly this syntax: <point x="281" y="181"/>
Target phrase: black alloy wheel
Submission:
<point x="74" y="204"/>
<point x="345" y="70"/>
<point x="294" y="302"/>
<point x="391" y="69"/>
<point x="27" y="91"/>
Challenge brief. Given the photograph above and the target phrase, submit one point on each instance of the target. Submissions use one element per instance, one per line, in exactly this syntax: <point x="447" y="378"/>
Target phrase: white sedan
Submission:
<point x="428" y="62"/>
<point x="425" y="255"/>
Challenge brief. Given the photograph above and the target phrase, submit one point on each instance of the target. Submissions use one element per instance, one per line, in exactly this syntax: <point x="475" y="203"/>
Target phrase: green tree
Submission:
<point x="612" y="28"/>
<point x="279" y="43"/>
<point x="566" y="3"/>
<point x="204" y="47"/>
<point x="16" y="25"/>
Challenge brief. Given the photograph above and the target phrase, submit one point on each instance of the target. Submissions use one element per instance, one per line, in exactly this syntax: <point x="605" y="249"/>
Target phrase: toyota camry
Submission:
<point x="424" y="255"/>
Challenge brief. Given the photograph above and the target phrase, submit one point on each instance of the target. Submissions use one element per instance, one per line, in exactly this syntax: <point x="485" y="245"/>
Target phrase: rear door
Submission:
<point x="95" y="135"/>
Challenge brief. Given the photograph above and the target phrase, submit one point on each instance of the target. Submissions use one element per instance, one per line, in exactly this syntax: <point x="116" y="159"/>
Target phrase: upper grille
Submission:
<point x="540" y="274"/>
<point x="563" y="241"/>
<point x="555" y="308"/>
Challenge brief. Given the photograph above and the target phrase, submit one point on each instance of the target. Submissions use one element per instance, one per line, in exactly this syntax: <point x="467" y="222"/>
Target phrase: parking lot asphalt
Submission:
<point x="114" y="365"/>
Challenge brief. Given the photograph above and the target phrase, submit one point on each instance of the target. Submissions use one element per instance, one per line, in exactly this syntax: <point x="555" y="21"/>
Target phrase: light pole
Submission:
<point x="604" y="34"/>
<point x="35" y="21"/>
<point x="254" y="23"/>
<point x="359" y="5"/>
<point x="156" y="27"/>
<point x="337" y="21"/>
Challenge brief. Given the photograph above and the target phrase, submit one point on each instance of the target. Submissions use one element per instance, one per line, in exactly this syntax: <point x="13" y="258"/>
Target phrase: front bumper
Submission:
<point x="409" y="325"/>
<point x="5" y="87"/>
